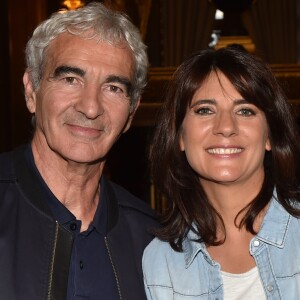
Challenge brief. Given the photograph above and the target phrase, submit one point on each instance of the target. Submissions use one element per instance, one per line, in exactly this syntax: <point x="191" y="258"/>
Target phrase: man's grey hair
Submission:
<point x="91" y="21"/>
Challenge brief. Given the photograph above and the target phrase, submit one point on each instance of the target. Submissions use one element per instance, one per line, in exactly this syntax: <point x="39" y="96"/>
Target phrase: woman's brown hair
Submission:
<point x="188" y="206"/>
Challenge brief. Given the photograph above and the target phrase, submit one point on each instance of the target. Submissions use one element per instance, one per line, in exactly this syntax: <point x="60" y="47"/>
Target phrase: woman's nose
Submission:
<point x="225" y="124"/>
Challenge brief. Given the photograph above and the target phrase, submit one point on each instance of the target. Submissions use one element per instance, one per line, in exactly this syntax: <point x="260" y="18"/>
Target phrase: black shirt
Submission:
<point x="91" y="273"/>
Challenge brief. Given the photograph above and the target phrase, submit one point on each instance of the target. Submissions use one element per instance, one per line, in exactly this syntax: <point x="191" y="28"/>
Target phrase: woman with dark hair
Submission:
<point x="225" y="155"/>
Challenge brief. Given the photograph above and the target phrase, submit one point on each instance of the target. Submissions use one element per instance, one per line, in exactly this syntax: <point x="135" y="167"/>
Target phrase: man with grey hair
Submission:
<point x="66" y="232"/>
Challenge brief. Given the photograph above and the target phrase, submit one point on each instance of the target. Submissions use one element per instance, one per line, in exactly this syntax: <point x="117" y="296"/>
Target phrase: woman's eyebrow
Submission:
<point x="240" y="101"/>
<point x="214" y="102"/>
<point x="204" y="101"/>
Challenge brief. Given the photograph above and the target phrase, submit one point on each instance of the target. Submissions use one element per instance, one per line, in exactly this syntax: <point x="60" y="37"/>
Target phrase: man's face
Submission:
<point x="83" y="104"/>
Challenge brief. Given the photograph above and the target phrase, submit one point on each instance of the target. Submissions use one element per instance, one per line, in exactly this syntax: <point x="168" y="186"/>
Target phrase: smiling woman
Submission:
<point x="225" y="156"/>
<point x="224" y="138"/>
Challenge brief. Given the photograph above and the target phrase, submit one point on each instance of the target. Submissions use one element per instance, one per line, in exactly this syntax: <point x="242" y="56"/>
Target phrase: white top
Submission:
<point x="246" y="286"/>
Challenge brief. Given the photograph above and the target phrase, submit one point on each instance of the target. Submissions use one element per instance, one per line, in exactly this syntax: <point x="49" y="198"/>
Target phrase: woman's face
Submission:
<point x="224" y="137"/>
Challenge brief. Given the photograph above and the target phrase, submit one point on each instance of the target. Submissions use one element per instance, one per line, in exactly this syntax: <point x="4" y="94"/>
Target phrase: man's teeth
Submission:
<point x="224" y="150"/>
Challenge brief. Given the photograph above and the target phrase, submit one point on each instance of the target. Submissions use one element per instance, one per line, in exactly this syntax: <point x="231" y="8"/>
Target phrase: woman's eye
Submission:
<point x="246" y="112"/>
<point x="203" y="111"/>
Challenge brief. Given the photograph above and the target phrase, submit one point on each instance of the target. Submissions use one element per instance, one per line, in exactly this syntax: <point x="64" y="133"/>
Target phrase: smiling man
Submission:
<point x="66" y="231"/>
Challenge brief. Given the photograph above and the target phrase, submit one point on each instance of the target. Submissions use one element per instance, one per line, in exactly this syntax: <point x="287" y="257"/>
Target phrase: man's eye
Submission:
<point x="115" y="89"/>
<point x="246" y="112"/>
<point x="70" y="80"/>
<point x="203" y="111"/>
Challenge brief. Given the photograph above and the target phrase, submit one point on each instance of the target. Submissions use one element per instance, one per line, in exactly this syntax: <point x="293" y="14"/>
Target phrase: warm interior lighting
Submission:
<point x="72" y="4"/>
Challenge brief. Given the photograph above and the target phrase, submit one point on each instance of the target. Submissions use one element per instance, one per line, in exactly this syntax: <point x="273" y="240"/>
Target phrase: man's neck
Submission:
<point x="75" y="185"/>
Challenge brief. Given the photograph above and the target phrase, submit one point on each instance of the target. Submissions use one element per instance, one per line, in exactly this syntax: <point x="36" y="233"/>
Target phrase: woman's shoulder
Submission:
<point x="159" y="252"/>
<point x="157" y="247"/>
<point x="161" y="263"/>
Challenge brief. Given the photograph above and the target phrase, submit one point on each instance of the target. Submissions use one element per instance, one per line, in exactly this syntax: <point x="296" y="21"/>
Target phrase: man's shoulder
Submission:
<point x="7" y="172"/>
<point x="128" y="201"/>
<point x="11" y="160"/>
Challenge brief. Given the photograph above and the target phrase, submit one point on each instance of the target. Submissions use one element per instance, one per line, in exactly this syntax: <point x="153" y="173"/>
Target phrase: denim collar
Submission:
<point x="273" y="231"/>
<point x="275" y="224"/>
<point x="191" y="248"/>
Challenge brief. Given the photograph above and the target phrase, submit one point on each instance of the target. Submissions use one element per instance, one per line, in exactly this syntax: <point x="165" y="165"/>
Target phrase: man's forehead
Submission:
<point x="68" y="49"/>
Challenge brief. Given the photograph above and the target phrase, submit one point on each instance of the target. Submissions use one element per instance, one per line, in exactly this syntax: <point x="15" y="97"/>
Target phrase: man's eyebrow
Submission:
<point x="120" y="79"/>
<point x="62" y="70"/>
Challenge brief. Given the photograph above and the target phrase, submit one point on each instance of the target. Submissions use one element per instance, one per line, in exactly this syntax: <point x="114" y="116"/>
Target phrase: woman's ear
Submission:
<point x="268" y="145"/>
<point x="30" y="95"/>
<point x="181" y="142"/>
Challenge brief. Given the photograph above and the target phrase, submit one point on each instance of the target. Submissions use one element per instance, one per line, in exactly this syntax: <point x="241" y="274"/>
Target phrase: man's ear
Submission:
<point x="30" y="95"/>
<point x="132" y="113"/>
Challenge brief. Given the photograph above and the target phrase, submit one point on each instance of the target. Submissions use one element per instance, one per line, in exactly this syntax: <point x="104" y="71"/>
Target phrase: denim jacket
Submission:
<point x="192" y="274"/>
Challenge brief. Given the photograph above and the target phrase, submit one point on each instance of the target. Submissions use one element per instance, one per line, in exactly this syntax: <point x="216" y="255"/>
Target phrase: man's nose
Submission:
<point x="90" y="103"/>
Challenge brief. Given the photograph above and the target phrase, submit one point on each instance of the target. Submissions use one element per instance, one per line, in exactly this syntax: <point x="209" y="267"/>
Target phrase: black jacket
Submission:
<point x="35" y="250"/>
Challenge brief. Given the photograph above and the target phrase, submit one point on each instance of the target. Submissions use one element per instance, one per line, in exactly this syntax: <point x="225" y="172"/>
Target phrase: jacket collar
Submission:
<point x="34" y="193"/>
<point x="115" y="195"/>
<point x="273" y="231"/>
<point x="26" y="179"/>
<point x="112" y="205"/>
